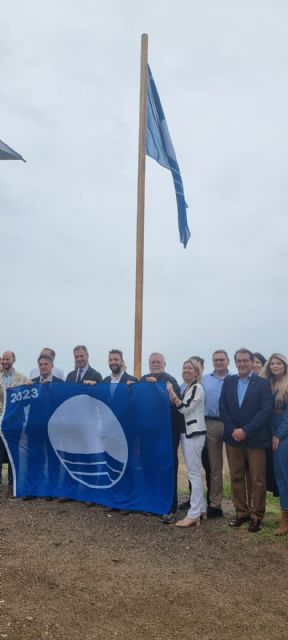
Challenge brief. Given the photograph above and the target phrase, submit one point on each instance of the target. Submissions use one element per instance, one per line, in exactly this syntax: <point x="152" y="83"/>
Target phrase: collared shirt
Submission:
<point x="49" y="379"/>
<point x="116" y="379"/>
<point x="242" y="387"/>
<point x="212" y="386"/>
<point x="7" y="378"/>
<point x="82" y="371"/>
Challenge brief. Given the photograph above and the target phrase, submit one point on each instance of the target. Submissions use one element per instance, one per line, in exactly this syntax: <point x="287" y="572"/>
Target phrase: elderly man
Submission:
<point x="83" y="372"/>
<point x="9" y="377"/>
<point x="212" y="383"/>
<point x="245" y="408"/>
<point x="156" y="374"/>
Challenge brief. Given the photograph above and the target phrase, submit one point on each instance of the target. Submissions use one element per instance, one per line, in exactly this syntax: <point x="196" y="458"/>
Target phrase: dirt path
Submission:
<point x="73" y="573"/>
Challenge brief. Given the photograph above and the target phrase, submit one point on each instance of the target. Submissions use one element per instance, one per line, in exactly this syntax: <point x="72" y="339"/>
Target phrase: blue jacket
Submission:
<point x="253" y="416"/>
<point x="126" y="377"/>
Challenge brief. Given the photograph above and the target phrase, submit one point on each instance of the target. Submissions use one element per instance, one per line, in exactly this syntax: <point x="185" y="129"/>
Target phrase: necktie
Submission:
<point x="79" y="375"/>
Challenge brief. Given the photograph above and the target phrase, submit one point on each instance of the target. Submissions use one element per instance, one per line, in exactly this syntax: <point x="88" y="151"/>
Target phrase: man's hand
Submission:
<point x="130" y="382"/>
<point x="275" y="443"/>
<point x="239" y="435"/>
<point x="151" y="379"/>
<point x="90" y="382"/>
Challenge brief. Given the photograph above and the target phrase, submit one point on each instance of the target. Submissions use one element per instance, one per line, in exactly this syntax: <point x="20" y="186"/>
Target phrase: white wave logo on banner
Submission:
<point x="89" y="441"/>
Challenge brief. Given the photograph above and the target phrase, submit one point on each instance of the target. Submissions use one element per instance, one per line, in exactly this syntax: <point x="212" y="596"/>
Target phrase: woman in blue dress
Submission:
<point x="276" y="370"/>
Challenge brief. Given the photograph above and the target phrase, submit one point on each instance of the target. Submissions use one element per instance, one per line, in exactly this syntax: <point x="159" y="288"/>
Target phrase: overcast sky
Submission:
<point x="69" y="103"/>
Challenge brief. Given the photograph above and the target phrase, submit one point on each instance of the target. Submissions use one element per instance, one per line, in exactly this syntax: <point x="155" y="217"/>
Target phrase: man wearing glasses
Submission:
<point x="212" y="383"/>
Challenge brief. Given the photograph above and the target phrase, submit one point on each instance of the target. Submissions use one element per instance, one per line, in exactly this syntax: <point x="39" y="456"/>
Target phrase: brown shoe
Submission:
<point x="283" y="527"/>
<point x="188" y="522"/>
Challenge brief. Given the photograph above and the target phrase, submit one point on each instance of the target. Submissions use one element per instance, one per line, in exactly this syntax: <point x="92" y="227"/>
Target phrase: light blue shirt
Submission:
<point x="212" y="387"/>
<point x="8" y="378"/>
<point x="242" y="388"/>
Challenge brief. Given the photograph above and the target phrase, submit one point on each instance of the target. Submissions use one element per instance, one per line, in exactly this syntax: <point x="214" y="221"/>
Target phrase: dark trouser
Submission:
<point x="3" y="459"/>
<point x="176" y="442"/>
<point x="207" y="469"/>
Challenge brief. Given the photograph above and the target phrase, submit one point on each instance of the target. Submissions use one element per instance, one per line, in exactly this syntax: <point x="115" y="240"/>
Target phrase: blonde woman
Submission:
<point x="276" y="370"/>
<point x="191" y="406"/>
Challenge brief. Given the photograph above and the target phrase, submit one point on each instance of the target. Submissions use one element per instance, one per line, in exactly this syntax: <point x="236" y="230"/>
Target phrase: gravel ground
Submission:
<point x="72" y="572"/>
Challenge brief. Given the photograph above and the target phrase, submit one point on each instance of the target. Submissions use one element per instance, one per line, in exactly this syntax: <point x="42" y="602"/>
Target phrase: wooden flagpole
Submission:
<point x="140" y="209"/>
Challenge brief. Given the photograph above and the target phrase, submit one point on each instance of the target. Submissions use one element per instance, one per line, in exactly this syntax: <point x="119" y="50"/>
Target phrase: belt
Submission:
<point x="212" y="418"/>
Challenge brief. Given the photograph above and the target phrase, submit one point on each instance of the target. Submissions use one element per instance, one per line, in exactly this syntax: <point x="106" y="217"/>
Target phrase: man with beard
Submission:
<point x="9" y="377"/>
<point x="117" y="368"/>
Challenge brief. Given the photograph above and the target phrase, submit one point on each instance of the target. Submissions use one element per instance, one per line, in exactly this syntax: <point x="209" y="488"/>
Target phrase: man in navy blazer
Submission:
<point x="117" y="368"/>
<point x="245" y="409"/>
<point x="83" y="373"/>
<point x="45" y="365"/>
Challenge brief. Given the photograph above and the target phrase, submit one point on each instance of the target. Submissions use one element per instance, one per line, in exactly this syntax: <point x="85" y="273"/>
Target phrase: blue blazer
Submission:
<point x="124" y="379"/>
<point x="254" y="415"/>
<point x="54" y="380"/>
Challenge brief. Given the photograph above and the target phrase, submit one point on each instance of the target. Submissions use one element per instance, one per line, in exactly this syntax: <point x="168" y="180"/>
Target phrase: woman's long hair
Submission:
<point x="279" y="387"/>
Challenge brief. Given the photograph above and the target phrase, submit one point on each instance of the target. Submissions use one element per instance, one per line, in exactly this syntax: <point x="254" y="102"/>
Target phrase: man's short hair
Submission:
<point x="157" y="353"/>
<point x="12" y="353"/>
<point x="221" y="351"/>
<point x="243" y="350"/>
<point x="82" y="347"/>
<point x="120" y="353"/>
<point x="53" y="354"/>
<point x="48" y="358"/>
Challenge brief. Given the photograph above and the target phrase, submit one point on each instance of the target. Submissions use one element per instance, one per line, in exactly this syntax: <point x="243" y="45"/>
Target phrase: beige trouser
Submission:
<point x="214" y="438"/>
<point x="237" y="458"/>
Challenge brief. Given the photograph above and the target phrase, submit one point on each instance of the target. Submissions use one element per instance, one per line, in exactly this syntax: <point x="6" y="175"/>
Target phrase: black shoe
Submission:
<point x="168" y="518"/>
<point x="29" y="498"/>
<point x="255" y="525"/>
<point x="237" y="522"/>
<point x="184" y="505"/>
<point x="214" y="512"/>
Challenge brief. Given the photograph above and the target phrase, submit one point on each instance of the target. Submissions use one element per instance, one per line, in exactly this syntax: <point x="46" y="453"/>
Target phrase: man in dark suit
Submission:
<point x="83" y="373"/>
<point x="117" y="367"/>
<point x="45" y="365"/>
<point x="245" y="409"/>
<point x="157" y="373"/>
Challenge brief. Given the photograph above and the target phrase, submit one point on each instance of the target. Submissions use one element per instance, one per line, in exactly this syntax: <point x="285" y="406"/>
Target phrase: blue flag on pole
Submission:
<point x="159" y="146"/>
<point x="6" y="153"/>
<point x="108" y="444"/>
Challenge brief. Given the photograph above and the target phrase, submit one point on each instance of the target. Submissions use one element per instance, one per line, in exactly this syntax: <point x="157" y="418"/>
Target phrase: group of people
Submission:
<point x="247" y="411"/>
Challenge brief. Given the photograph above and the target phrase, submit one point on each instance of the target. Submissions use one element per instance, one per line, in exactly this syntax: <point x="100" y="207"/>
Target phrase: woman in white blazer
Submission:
<point x="191" y="405"/>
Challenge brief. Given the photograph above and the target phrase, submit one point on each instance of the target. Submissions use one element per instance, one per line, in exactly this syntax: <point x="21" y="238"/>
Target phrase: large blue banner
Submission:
<point x="108" y="444"/>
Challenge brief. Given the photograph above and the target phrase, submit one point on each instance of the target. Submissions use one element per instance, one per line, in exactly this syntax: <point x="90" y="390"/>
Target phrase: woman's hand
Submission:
<point x="169" y="388"/>
<point x="275" y="443"/>
<point x="172" y="395"/>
